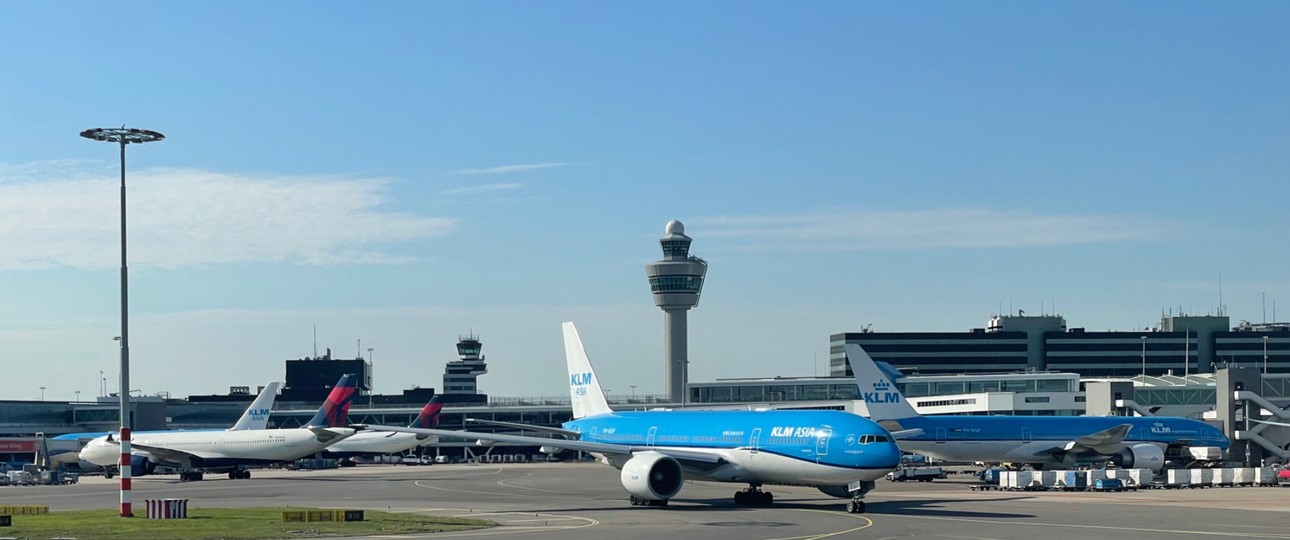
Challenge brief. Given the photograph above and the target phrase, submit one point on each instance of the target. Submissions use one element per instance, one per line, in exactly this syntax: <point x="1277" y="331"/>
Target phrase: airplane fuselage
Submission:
<point x="1028" y="439"/>
<point x="820" y="448"/>
<point x="221" y="448"/>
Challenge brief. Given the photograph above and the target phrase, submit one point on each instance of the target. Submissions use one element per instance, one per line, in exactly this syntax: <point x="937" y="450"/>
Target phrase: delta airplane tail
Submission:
<point x="334" y="411"/>
<point x="257" y="415"/>
<point x="584" y="387"/>
<point x="876" y="388"/>
<point x="429" y="417"/>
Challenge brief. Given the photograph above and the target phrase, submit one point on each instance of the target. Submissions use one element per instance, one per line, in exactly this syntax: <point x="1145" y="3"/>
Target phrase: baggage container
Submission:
<point x="1132" y="478"/>
<point x="1225" y="476"/>
<point x="1265" y="477"/>
<point x="1201" y="477"/>
<point x="1243" y="476"/>
<point x="1072" y="480"/>
<point x="1094" y="475"/>
<point x="1177" y="478"/>
<point x="1047" y="479"/>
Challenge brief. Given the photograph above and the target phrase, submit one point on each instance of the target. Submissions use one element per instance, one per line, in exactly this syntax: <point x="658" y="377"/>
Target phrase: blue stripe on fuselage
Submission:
<point x="832" y="438"/>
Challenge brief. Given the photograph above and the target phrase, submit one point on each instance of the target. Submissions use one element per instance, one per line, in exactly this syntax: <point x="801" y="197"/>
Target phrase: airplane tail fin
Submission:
<point x="584" y="388"/>
<point x="257" y="415"/>
<point x="334" y="411"/>
<point x="429" y="417"/>
<point x="875" y="388"/>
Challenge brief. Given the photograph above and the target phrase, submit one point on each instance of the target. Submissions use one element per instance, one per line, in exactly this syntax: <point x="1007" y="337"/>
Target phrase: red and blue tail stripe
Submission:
<point x="429" y="417"/>
<point x="335" y="410"/>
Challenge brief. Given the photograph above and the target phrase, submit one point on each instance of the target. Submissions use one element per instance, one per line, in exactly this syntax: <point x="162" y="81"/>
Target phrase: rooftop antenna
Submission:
<point x="315" y="342"/>
<point x="1220" y="294"/>
<point x="1265" y="308"/>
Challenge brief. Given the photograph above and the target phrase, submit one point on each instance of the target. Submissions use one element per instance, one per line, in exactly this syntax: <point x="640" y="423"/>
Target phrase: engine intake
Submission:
<point x="141" y="466"/>
<point x="652" y="476"/>
<point x="1140" y="456"/>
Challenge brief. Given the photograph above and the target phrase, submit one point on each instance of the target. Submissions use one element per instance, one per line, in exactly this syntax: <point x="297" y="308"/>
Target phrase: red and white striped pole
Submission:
<point x="127" y="509"/>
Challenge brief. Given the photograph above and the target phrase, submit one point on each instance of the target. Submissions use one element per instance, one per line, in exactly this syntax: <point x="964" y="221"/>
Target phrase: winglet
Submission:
<point x="334" y="411"/>
<point x="584" y="387"/>
<point x="875" y="388"/>
<point x="429" y="417"/>
<point x="257" y="415"/>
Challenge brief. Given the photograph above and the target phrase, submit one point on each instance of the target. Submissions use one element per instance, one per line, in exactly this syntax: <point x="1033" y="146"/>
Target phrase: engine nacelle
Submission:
<point x="1140" y="456"/>
<point x="141" y="466"/>
<point x="550" y="450"/>
<point x="652" y="476"/>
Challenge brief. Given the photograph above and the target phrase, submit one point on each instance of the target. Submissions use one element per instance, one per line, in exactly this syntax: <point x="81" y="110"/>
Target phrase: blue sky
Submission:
<point x="402" y="173"/>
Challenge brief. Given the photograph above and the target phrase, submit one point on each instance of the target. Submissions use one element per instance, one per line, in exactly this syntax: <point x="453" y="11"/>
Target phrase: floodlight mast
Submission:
<point x="124" y="136"/>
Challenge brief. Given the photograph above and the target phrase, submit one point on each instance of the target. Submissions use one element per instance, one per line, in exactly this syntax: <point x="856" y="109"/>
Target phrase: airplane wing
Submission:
<point x="165" y="454"/>
<point x="527" y="427"/>
<point x="1106" y="441"/>
<point x="585" y="446"/>
<point x="1270" y="422"/>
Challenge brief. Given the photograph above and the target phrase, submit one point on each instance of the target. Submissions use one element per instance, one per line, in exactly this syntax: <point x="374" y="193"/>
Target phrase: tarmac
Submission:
<point x="586" y="501"/>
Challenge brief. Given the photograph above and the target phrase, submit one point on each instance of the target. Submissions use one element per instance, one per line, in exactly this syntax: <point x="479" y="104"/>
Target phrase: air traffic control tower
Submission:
<point x="676" y="282"/>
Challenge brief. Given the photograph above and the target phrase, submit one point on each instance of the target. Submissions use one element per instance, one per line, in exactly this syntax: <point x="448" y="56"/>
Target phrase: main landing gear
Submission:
<point x="858" y="491"/>
<point x="754" y="496"/>
<point x="239" y="475"/>
<point x="639" y="501"/>
<point x="190" y="476"/>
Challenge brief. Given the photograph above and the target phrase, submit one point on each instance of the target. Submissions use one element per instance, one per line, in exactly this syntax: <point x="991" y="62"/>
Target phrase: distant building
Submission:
<point x="460" y="376"/>
<point x="1180" y="344"/>
<point x="311" y="379"/>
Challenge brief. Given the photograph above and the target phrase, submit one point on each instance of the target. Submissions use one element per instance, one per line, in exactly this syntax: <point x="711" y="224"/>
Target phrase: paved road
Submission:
<point x="585" y="501"/>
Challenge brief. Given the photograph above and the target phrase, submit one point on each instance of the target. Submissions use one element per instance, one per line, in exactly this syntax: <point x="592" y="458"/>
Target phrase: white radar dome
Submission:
<point x="674" y="227"/>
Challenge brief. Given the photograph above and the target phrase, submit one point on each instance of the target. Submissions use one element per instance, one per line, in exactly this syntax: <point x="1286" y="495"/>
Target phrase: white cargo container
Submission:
<point x="1265" y="477"/>
<point x="1048" y="479"/>
<point x="1094" y="475"/>
<point x="1132" y="477"/>
<point x="1225" y="476"/>
<point x="1176" y="478"/>
<point x="1205" y="453"/>
<point x="1018" y="480"/>
<point x="1202" y="477"/>
<point x="1243" y="476"/>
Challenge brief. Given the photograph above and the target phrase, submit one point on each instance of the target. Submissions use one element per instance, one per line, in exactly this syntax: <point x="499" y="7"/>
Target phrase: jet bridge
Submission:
<point x="1241" y="408"/>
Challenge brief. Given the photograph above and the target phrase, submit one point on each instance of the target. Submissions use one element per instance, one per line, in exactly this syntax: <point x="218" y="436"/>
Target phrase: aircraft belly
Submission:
<point x="747" y="466"/>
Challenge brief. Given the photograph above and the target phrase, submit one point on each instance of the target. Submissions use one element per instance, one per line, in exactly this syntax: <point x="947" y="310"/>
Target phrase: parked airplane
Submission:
<point x="1126" y="441"/>
<point x="65" y="449"/>
<point x="379" y="443"/>
<point x="195" y="452"/>
<point x="839" y="453"/>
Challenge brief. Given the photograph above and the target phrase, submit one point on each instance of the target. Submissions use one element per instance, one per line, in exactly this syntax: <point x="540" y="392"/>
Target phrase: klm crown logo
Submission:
<point x="881" y="393"/>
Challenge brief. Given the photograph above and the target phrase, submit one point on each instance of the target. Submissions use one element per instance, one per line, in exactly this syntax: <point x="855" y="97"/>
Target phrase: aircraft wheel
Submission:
<point x="855" y="507"/>
<point x="234" y="475"/>
<point x="767" y="498"/>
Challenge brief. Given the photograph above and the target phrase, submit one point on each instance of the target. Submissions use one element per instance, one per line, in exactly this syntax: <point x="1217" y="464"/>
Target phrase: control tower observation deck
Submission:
<point x="676" y="281"/>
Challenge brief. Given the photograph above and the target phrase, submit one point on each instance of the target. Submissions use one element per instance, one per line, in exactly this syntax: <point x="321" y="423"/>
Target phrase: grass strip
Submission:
<point x="223" y="524"/>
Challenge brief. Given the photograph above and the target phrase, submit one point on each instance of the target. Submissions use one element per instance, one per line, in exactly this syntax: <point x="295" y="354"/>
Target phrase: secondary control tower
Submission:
<point x="676" y="281"/>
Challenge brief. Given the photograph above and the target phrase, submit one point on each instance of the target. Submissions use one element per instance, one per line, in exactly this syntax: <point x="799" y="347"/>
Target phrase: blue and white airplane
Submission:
<point x="839" y="453"/>
<point x="1126" y="441"/>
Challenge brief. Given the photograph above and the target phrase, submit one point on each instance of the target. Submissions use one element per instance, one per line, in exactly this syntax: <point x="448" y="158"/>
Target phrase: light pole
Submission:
<point x="370" y="390"/>
<point x="1265" y="355"/>
<point x="123" y="136"/>
<point x="633" y="392"/>
<point x="42" y="393"/>
<point x="1144" y="360"/>
<point x="78" y="396"/>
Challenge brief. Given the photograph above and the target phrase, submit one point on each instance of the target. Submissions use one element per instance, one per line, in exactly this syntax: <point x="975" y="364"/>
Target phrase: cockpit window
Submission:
<point x="869" y="439"/>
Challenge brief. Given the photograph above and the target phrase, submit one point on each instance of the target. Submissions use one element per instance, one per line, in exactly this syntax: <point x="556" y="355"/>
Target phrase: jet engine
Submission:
<point x="1140" y="456"/>
<point x="141" y="466"/>
<point x="652" y="476"/>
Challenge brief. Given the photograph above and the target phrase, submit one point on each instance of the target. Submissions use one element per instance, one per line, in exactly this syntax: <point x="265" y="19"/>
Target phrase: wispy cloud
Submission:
<point x="471" y="190"/>
<point x="855" y="230"/>
<point x="503" y="169"/>
<point x="186" y="217"/>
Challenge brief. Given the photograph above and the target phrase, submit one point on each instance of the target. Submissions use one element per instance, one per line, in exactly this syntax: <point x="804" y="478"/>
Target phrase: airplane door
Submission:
<point x="822" y="442"/>
<point x="1025" y="434"/>
<point x="940" y="435"/>
<point x="752" y="441"/>
<point x="649" y="439"/>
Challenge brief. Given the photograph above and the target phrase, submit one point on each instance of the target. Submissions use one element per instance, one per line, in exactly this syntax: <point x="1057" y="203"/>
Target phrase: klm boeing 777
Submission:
<point x="839" y="453"/>
<point x="1126" y="441"/>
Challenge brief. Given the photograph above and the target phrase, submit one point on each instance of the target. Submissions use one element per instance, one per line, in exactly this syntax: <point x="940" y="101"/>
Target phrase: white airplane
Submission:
<point x="198" y="451"/>
<point x="837" y="452"/>
<point x="379" y="443"/>
<point x="65" y="449"/>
